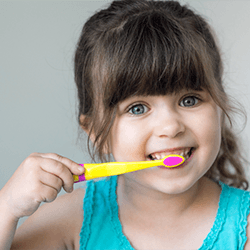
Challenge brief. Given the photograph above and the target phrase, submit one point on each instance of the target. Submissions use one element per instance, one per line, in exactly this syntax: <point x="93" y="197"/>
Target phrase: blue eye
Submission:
<point x="190" y="101"/>
<point x="138" y="109"/>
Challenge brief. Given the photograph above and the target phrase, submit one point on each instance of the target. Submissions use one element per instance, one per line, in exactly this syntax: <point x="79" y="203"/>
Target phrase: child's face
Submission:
<point x="149" y="124"/>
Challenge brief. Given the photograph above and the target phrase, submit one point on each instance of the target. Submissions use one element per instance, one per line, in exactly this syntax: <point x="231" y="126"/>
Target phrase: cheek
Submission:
<point x="208" y="128"/>
<point x="128" y="141"/>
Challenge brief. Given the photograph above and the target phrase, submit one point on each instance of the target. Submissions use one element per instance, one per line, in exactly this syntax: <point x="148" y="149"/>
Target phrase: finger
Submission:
<point x="74" y="167"/>
<point x="51" y="180"/>
<point x="47" y="194"/>
<point x="59" y="170"/>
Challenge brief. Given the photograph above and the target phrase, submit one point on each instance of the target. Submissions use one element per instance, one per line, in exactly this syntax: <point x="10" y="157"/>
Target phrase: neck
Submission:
<point x="138" y="199"/>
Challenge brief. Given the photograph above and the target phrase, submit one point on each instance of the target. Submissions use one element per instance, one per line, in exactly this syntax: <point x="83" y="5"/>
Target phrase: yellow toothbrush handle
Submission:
<point x="98" y="170"/>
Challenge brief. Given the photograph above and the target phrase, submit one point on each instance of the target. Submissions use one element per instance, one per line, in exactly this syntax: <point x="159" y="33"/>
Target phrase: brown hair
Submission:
<point x="139" y="47"/>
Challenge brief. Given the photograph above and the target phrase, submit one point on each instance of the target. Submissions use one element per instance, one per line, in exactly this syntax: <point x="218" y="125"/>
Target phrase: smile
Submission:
<point x="185" y="152"/>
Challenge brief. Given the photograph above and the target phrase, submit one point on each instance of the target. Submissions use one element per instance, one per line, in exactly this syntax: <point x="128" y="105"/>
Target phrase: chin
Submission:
<point x="173" y="186"/>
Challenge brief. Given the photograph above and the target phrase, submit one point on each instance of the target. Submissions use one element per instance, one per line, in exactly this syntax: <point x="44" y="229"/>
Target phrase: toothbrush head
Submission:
<point x="172" y="161"/>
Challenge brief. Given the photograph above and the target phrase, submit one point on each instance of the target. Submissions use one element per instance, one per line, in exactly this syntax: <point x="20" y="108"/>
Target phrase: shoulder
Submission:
<point x="247" y="245"/>
<point x="238" y="211"/>
<point x="238" y="199"/>
<point x="56" y="224"/>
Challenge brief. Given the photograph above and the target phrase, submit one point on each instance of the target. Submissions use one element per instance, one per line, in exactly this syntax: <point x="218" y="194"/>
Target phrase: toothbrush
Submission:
<point x="97" y="170"/>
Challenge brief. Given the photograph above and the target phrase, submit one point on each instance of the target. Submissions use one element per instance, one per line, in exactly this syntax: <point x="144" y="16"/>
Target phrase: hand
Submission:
<point x="38" y="179"/>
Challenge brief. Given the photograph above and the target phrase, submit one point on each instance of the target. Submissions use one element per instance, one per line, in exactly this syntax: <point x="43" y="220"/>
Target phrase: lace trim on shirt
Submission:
<point x="88" y="212"/>
<point x="114" y="214"/>
<point x="244" y="211"/>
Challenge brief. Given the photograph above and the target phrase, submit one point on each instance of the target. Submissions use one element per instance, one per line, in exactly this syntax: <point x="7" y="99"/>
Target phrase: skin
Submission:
<point x="162" y="200"/>
<point x="168" y="123"/>
<point x="39" y="179"/>
<point x="156" y="206"/>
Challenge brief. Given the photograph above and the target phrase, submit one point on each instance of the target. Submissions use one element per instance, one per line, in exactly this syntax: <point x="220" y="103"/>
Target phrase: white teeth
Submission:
<point x="182" y="154"/>
<point x="159" y="156"/>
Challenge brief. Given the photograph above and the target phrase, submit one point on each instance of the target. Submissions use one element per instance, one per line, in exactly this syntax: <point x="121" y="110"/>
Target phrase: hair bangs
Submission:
<point x="156" y="57"/>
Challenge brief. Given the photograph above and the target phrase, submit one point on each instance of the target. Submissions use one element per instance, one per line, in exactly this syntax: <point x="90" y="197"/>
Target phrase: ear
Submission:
<point x="84" y="123"/>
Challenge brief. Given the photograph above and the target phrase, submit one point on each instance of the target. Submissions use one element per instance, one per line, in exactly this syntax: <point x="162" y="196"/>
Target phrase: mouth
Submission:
<point x="185" y="152"/>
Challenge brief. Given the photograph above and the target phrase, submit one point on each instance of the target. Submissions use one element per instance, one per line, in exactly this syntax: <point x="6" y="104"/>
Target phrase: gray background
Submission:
<point x="37" y="91"/>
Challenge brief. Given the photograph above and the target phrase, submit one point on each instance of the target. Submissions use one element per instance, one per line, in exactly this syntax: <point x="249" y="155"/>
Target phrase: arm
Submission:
<point x="7" y="226"/>
<point x="38" y="179"/>
<point x="53" y="226"/>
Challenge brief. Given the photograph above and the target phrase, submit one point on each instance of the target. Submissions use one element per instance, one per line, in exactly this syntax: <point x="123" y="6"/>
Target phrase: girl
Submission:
<point x="149" y="79"/>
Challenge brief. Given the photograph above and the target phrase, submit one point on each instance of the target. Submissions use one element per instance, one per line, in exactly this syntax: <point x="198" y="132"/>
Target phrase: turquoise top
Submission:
<point x="102" y="228"/>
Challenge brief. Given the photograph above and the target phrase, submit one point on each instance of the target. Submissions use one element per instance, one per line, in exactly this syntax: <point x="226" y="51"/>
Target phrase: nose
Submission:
<point x="168" y="124"/>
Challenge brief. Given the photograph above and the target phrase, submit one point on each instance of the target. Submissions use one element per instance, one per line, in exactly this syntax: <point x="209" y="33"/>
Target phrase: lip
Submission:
<point x="170" y="150"/>
<point x="180" y="166"/>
